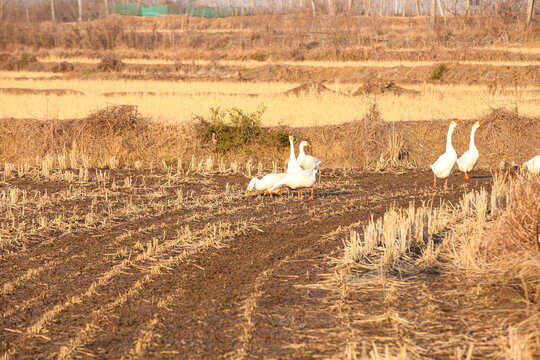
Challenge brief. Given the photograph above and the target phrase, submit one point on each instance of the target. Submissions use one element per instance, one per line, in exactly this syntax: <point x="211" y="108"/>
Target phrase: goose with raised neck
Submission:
<point x="443" y="167"/>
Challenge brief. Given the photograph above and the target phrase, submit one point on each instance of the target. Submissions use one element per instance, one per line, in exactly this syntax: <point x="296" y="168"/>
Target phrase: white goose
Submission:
<point x="307" y="161"/>
<point x="533" y="165"/>
<point x="298" y="180"/>
<point x="293" y="165"/>
<point x="265" y="182"/>
<point x="443" y="167"/>
<point x="468" y="160"/>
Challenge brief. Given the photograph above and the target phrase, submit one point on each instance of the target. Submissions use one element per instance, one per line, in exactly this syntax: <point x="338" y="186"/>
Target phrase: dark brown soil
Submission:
<point x="245" y="297"/>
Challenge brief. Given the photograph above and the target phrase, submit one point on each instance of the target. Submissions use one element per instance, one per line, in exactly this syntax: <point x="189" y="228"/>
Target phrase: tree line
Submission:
<point x="82" y="10"/>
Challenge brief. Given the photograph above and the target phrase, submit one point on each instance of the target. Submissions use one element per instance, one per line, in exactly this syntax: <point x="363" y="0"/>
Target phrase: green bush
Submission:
<point x="236" y="130"/>
<point x="27" y="58"/>
<point x="233" y="128"/>
<point x="439" y="71"/>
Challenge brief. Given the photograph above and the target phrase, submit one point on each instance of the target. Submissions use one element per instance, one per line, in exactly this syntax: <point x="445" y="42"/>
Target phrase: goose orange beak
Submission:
<point x="308" y="143"/>
<point x="290" y="133"/>
<point x="480" y="123"/>
<point x="457" y="121"/>
<point x="248" y="191"/>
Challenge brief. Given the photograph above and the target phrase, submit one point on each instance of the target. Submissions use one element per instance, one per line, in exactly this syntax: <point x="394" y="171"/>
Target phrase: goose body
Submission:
<point x="307" y="161"/>
<point x="293" y="165"/>
<point x="298" y="180"/>
<point x="533" y="165"/>
<point x="443" y="167"/>
<point x="265" y="182"/>
<point x="468" y="160"/>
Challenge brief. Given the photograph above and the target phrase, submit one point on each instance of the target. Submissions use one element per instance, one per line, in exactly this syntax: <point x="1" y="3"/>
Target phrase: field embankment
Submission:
<point x="370" y="143"/>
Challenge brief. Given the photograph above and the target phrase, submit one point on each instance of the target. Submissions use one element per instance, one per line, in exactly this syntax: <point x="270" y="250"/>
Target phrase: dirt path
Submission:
<point x="215" y="274"/>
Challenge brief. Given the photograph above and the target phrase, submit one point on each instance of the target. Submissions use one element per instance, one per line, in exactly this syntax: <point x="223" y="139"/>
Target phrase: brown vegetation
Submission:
<point x="311" y="87"/>
<point x="280" y="38"/>
<point x="62" y="67"/>
<point x="377" y="86"/>
<point x="110" y="63"/>
<point x="368" y="143"/>
<point x="23" y="91"/>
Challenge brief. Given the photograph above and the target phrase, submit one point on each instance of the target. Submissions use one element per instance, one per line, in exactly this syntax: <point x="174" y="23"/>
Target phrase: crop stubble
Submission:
<point x="198" y="277"/>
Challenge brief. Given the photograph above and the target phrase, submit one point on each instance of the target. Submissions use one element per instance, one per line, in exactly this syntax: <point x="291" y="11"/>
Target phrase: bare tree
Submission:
<point x="332" y="7"/>
<point x="433" y="12"/>
<point x="441" y="10"/>
<point x="530" y="11"/>
<point x="367" y="7"/>
<point x="79" y="2"/>
<point x="313" y="7"/>
<point x="417" y="7"/>
<point x="53" y="18"/>
<point x="349" y="7"/>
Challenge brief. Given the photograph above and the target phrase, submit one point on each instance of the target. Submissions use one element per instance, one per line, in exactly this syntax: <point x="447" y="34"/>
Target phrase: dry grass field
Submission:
<point x="178" y="102"/>
<point x="125" y="226"/>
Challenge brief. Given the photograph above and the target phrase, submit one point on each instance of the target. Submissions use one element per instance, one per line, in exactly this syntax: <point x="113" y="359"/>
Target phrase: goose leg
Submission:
<point x="311" y="197"/>
<point x="446" y="183"/>
<point x="271" y="197"/>
<point x="281" y="192"/>
<point x="434" y="181"/>
<point x="299" y="193"/>
<point x="466" y="175"/>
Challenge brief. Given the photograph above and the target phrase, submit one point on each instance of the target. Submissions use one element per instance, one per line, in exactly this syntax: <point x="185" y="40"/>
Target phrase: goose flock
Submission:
<point x="302" y="170"/>
<point x="301" y="173"/>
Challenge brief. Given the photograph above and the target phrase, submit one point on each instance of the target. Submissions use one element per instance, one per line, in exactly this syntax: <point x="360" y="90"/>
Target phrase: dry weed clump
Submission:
<point x="506" y="250"/>
<point x="369" y="143"/>
<point x="12" y="62"/>
<point x="62" y="67"/>
<point x="311" y="87"/>
<point x="117" y="131"/>
<point x="488" y="240"/>
<point x="402" y="240"/>
<point x="520" y="225"/>
<point x="477" y="234"/>
<point x="378" y="86"/>
<point x="511" y="245"/>
<point x="110" y="63"/>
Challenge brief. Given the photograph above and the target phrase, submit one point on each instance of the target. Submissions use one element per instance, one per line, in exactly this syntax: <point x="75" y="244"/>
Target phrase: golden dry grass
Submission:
<point x="5" y="75"/>
<point x="483" y="238"/>
<point x="177" y="102"/>
<point x="309" y="63"/>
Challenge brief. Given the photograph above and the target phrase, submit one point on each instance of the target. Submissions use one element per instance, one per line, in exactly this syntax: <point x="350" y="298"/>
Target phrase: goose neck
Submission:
<point x="449" y="137"/>
<point x="473" y="132"/>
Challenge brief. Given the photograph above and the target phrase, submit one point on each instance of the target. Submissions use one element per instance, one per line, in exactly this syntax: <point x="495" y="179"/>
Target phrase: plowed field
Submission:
<point x="166" y="264"/>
